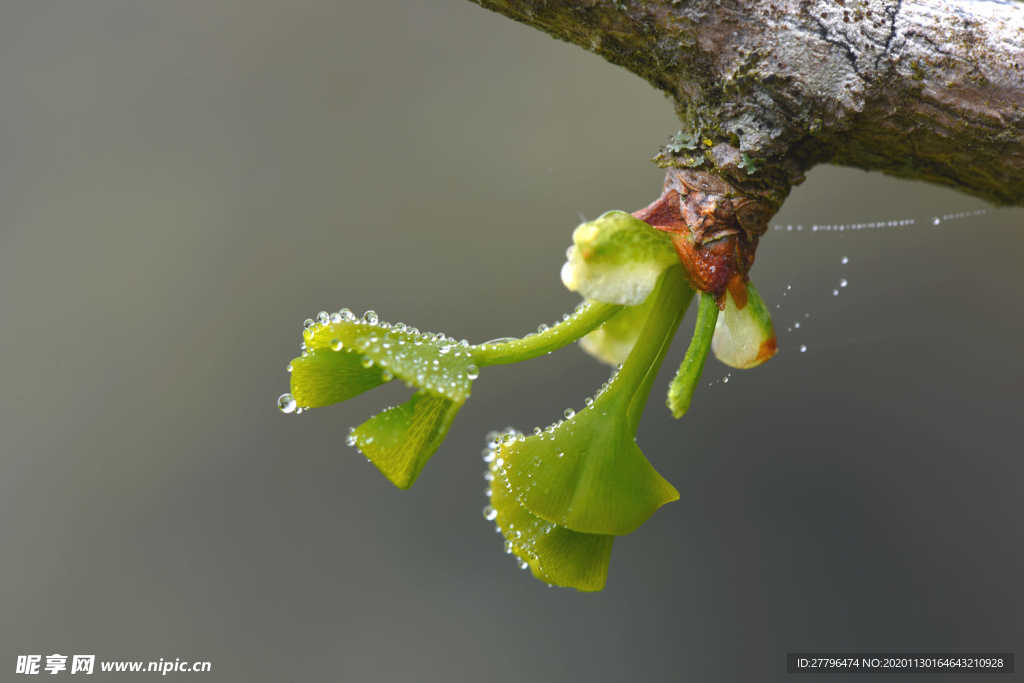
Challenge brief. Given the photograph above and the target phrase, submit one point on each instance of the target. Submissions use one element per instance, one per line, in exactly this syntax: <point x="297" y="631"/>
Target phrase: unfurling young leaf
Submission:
<point x="612" y="341"/>
<point x="744" y="336"/>
<point x="617" y="259"/>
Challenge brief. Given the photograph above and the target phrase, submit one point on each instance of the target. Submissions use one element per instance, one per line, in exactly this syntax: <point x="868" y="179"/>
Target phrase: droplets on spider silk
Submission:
<point x="286" y="404"/>
<point x="934" y="221"/>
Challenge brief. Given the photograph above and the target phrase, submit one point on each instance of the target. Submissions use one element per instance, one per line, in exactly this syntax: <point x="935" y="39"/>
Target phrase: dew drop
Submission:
<point x="366" y="362"/>
<point x="835" y="292"/>
<point x="347" y="315"/>
<point x="569" y="413"/>
<point x="387" y="376"/>
<point x="323" y="318"/>
<point x="307" y="323"/>
<point x="843" y="282"/>
<point x="725" y="380"/>
<point x="351" y="440"/>
<point x="289" y="368"/>
<point x="337" y="345"/>
<point x="796" y="325"/>
<point x="588" y="402"/>
<point x="936" y="221"/>
<point x="542" y="328"/>
<point x="803" y="348"/>
<point x="523" y="564"/>
<point x="286" y="403"/>
<point x="472" y="371"/>
<point x="370" y="317"/>
<point x="490" y="514"/>
<point x="844" y="260"/>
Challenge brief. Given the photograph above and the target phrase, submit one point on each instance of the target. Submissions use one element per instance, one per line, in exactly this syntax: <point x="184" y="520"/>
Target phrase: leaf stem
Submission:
<point x="680" y="392"/>
<point x="503" y="351"/>
<point x="672" y="297"/>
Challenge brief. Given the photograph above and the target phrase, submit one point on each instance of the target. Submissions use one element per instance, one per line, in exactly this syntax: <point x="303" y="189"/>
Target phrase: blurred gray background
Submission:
<point x="181" y="183"/>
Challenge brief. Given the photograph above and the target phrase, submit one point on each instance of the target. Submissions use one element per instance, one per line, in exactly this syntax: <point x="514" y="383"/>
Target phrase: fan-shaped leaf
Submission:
<point x="586" y="474"/>
<point x="555" y="554"/>
<point x="323" y="377"/>
<point x="400" y="440"/>
<point x="431" y="362"/>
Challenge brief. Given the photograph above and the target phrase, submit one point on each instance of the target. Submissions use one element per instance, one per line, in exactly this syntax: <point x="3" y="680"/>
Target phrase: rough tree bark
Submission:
<point x="766" y="89"/>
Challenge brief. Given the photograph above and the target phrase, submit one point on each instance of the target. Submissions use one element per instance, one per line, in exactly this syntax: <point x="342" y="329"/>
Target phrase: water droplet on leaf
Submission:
<point x="286" y="403"/>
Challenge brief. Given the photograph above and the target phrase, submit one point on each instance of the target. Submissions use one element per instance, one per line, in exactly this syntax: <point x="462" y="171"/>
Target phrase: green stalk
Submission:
<point x="680" y="392"/>
<point x="634" y="381"/>
<point x="585" y="319"/>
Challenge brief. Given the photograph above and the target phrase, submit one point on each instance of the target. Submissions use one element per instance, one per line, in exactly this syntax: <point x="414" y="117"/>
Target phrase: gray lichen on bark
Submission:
<point x="765" y="89"/>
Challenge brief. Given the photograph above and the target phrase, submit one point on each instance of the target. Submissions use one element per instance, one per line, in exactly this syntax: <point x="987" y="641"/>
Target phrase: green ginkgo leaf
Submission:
<point x="400" y="440"/>
<point x="323" y="377"/>
<point x="554" y="554"/>
<point x="587" y="474"/>
<point x="432" y="362"/>
<point x="612" y="341"/>
<point x="617" y="258"/>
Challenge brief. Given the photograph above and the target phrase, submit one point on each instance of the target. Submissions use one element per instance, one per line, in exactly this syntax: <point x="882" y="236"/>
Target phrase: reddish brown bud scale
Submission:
<point x="714" y="229"/>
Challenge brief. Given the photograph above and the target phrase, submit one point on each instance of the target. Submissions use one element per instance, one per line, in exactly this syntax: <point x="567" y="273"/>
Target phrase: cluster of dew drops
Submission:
<point x="287" y="404"/>
<point x="492" y="456"/>
<point x="458" y="348"/>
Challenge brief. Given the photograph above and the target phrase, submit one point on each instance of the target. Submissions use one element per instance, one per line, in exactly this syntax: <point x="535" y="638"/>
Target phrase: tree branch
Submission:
<point x="765" y="89"/>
